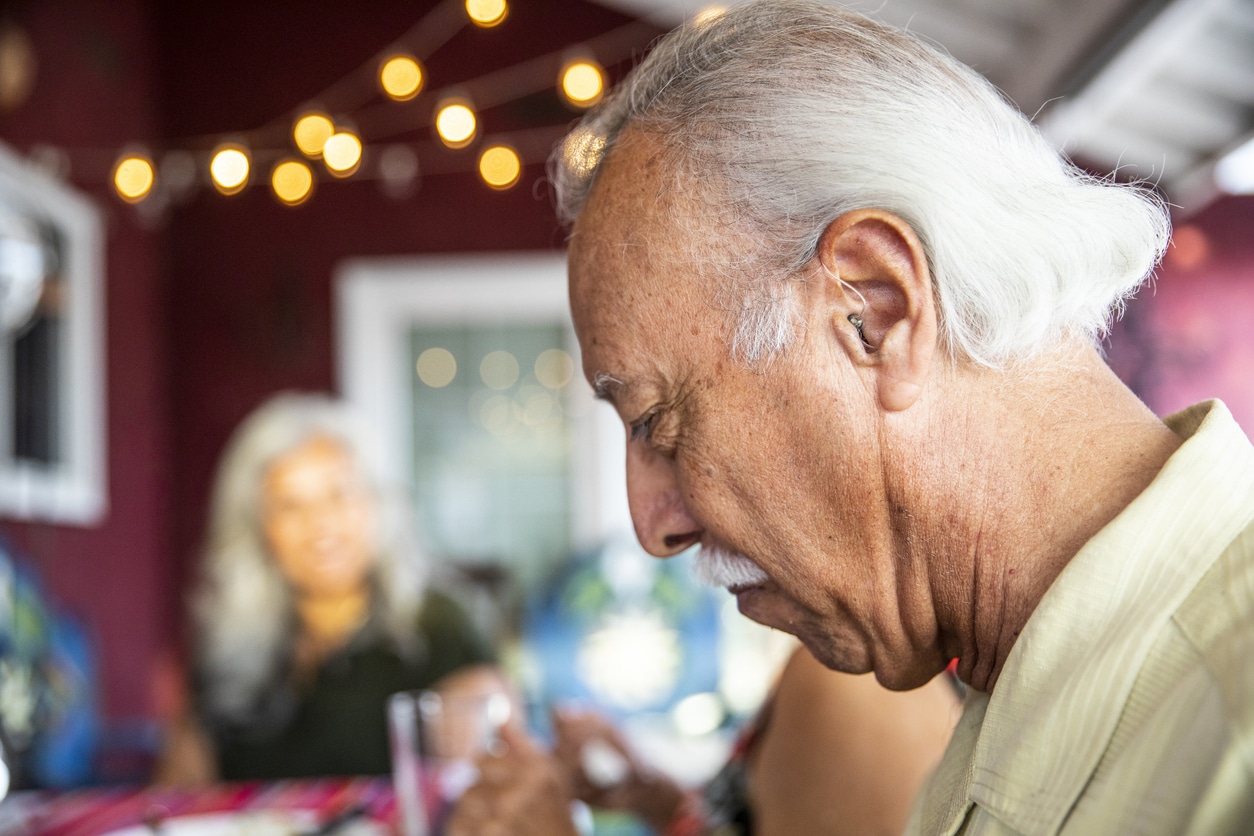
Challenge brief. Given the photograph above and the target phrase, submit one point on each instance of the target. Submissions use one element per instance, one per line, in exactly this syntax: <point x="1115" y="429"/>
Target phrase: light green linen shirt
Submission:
<point x="1126" y="706"/>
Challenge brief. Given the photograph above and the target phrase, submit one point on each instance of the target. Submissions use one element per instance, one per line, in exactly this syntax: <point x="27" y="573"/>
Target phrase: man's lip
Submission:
<point x="740" y="588"/>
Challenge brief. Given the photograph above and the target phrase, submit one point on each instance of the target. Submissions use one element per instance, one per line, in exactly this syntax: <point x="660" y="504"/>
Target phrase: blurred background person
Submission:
<point x="313" y="605"/>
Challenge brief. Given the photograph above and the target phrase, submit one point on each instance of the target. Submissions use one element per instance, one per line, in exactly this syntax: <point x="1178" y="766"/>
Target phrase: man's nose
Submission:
<point x="663" y="523"/>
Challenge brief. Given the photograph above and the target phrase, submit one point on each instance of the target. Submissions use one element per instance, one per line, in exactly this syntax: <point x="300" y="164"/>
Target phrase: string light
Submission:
<point x="401" y="77"/>
<point x="583" y="150"/>
<point x="398" y="168"/>
<point x="229" y="168"/>
<point x="486" y="13"/>
<point x="311" y="132"/>
<point x="708" y="15"/>
<point x="500" y="167"/>
<point x="133" y="177"/>
<point x="342" y="153"/>
<point x="292" y="182"/>
<point x="582" y="83"/>
<point x="455" y="123"/>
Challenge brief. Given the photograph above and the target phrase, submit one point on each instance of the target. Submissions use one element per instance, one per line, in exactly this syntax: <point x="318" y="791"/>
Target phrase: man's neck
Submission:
<point x="1059" y="452"/>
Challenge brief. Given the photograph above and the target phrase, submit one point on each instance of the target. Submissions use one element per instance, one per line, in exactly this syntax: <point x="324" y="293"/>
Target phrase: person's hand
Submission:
<point x="602" y="770"/>
<point x="520" y="792"/>
<point x="584" y="736"/>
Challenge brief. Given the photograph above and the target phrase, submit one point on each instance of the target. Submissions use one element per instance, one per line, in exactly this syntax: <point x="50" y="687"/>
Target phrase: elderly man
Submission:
<point x="846" y="301"/>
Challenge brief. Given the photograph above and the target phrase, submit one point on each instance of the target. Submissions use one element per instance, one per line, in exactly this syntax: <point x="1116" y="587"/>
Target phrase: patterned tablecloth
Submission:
<point x="99" y="811"/>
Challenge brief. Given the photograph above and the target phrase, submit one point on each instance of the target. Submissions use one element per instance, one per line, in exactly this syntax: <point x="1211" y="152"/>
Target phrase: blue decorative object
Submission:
<point x="624" y="632"/>
<point x="49" y="725"/>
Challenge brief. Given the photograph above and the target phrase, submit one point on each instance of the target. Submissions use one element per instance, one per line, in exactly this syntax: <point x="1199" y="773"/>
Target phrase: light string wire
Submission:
<point x="349" y="101"/>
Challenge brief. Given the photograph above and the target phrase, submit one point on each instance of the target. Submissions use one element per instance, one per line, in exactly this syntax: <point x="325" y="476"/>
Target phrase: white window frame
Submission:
<point x="378" y="301"/>
<point x="74" y="491"/>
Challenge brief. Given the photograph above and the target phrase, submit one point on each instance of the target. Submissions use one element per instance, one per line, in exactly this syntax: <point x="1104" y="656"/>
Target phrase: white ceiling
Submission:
<point x="1156" y="88"/>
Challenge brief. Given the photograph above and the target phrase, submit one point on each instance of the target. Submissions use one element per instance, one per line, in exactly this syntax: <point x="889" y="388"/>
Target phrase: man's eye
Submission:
<point x="642" y="430"/>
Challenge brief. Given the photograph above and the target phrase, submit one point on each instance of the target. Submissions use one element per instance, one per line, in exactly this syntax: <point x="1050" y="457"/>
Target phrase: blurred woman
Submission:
<point x="313" y="606"/>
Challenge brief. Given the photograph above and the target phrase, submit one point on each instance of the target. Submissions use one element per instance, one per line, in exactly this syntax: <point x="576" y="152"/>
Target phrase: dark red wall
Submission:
<point x="251" y="280"/>
<point x="95" y="88"/>
<point x="223" y="301"/>
<point x="1190" y="335"/>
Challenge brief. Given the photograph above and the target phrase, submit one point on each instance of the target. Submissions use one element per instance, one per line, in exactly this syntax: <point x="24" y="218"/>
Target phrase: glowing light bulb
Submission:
<point x="708" y="15"/>
<point x="292" y="182"/>
<point x="401" y="77"/>
<point x="311" y="132"/>
<point x="582" y="83"/>
<point x="342" y="153"/>
<point x="583" y="150"/>
<point x="456" y="125"/>
<point x="500" y="167"/>
<point x="229" y="168"/>
<point x="486" y="13"/>
<point x="133" y="177"/>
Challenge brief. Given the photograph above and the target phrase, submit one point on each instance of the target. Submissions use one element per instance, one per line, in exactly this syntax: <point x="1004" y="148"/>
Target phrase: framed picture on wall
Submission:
<point x="52" y="462"/>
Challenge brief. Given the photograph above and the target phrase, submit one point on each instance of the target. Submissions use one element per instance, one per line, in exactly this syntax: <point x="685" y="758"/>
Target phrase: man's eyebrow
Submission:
<point x="605" y="386"/>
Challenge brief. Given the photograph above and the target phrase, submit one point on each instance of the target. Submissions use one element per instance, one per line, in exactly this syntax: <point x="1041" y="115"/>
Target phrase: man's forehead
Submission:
<point x="633" y="280"/>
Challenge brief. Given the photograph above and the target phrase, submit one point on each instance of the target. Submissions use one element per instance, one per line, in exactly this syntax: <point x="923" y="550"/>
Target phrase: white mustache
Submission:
<point x="716" y="566"/>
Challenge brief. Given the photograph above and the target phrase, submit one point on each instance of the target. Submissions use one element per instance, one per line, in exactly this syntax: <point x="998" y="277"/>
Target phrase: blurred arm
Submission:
<point x="841" y="754"/>
<point x="187" y="759"/>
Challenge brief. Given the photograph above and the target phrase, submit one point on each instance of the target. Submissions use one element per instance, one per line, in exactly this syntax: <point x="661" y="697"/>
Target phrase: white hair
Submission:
<point x="243" y="607"/>
<point x="797" y="112"/>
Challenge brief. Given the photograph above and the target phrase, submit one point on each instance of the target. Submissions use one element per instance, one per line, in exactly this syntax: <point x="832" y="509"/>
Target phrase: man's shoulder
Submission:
<point x="1217" y="620"/>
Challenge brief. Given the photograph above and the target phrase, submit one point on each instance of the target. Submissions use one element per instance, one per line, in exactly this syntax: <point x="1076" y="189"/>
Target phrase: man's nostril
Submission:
<point x="673" y="541"/>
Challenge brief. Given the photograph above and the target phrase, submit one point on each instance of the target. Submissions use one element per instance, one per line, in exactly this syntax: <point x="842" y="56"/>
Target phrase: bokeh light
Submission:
<point x="582" y="150"/>
<point x="133" y="177"/>
<point x="487" y="13"/>
<point x="401" y="77"/>
<point x="292" y="182"/>
<point x="499" y="370"/>
<point x="498" y="415"/>
<point x="229" y="168"/>
<point x="698" y="714"/>
<point x="437" y="367"/>
<point x="311" y="132"/>
<point x="582" y="83"/>
<point x="398" y="171"/>
<point x="456" y="124"/>
<point x="708" y="14"/>
<point x="554" y="368"/>
<point x="342" y="153"/>
<point x="1190" y="248"/>
<point x="537" y="405"/>
<point x="1235" y="172"/>
<point x="178" y="173"/>
<point x="500" y="167"/>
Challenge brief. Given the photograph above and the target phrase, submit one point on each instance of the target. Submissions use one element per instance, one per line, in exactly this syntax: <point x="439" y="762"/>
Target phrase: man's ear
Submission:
<point x="875" y="269"/>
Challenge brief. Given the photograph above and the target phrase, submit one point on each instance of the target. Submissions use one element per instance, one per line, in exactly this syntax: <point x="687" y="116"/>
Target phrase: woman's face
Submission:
<point x="318" y="516"/>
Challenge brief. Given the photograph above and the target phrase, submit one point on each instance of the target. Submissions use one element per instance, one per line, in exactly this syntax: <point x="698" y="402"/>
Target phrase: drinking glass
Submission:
<point x="435" y="739"/>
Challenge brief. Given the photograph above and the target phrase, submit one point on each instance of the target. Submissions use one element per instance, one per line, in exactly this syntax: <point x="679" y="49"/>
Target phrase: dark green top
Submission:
<point x="337" y="724"/>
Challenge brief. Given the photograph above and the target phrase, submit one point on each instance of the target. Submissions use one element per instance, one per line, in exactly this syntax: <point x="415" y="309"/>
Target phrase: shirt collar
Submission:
<point x="1065" y="681"/>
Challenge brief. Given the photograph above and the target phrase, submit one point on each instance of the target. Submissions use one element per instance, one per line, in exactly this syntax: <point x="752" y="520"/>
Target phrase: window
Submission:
<point x="469" y="369"/>
<point x="51" y="350"/>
